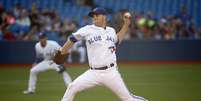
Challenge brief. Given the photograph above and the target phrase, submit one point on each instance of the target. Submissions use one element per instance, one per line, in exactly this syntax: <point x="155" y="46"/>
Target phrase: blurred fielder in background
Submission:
<point x="101" y="41"/>
<point x="45" y="50"/>
<point x="79" y="48"/>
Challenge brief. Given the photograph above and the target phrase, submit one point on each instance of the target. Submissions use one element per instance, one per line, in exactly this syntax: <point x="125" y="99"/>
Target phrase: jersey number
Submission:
<point x="112" y="49"/>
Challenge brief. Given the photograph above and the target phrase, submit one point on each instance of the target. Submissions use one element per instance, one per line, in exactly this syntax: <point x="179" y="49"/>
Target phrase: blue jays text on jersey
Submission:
<point x="99" y="38"/>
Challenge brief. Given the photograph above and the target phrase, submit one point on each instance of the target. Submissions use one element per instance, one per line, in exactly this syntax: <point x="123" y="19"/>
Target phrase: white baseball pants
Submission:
<point x="109" y="78"/>
<point x="44" y="66"/>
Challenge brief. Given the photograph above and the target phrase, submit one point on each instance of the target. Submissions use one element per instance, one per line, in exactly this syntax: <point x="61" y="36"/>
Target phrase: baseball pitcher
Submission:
<point x="101" y="41"/>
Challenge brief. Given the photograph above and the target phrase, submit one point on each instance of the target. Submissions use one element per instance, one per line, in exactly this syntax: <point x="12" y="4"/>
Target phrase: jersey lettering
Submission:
<point x="49" y="54"/>
<point x="110" y="39"/>
<point x="94" y="39"/>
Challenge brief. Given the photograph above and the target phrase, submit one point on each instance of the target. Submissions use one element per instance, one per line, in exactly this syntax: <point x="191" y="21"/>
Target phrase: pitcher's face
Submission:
<point x="100" y="20"/>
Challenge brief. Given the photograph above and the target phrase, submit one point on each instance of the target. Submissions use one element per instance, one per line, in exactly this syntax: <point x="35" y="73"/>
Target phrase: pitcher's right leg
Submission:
<point x="119" y="88"/>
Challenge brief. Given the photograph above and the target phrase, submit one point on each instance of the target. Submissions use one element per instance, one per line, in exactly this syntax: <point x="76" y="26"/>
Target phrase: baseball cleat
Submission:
<point x="139" y="98"/>
<point x="28" y="92"/>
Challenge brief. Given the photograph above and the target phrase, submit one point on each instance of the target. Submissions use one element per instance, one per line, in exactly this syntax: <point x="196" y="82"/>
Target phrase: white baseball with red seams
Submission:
<point x="127" y="14"/>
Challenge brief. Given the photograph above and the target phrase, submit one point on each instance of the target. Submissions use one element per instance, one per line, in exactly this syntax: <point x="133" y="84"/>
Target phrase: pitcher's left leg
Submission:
<point x="84" y="81"/>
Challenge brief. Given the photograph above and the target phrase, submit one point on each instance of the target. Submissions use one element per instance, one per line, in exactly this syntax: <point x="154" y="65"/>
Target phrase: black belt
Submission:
<point x="102" y="68"/>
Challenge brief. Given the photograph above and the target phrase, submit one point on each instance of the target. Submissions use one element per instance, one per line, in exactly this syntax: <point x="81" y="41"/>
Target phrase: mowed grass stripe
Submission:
<point x="168" y="82"/>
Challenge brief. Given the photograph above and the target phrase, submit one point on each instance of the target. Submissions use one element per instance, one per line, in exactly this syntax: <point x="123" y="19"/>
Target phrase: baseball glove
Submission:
<point x="59" y="58"/>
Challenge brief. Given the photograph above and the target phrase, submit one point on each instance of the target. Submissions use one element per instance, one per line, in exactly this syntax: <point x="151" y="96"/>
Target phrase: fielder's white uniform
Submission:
<point x="103" y="70"/>
<point x="46" y="53"/>
<point x="78" y="47"/>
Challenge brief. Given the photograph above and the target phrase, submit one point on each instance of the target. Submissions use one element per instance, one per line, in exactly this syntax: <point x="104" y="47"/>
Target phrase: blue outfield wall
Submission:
<point x="21" y="52"/>
<point x="160" y="50"/>
<point x="17" y="52"/>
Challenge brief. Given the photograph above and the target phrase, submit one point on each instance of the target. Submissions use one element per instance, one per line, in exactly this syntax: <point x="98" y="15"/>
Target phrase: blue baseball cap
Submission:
<point x="97" y="11"/>
<point x="42" y="35"/>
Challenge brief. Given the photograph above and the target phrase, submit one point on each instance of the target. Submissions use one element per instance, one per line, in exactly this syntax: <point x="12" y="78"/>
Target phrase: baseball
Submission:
<point x="127" y="14"/>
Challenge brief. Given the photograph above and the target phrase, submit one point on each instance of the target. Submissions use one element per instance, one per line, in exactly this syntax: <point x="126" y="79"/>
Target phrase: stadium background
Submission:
<point x="160" y="58"/>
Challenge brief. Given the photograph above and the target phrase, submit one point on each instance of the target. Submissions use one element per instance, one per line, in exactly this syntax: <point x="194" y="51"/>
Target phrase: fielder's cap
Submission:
<point x="97" y="11"/>
<point x="42" y="35"/>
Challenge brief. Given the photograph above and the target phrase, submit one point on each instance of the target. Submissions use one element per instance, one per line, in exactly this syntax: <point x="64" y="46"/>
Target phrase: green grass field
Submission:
<point x="171" y="82"/>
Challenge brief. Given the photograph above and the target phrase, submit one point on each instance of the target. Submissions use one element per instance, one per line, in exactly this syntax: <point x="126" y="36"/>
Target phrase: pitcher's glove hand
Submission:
<point x="59" y="58"/>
